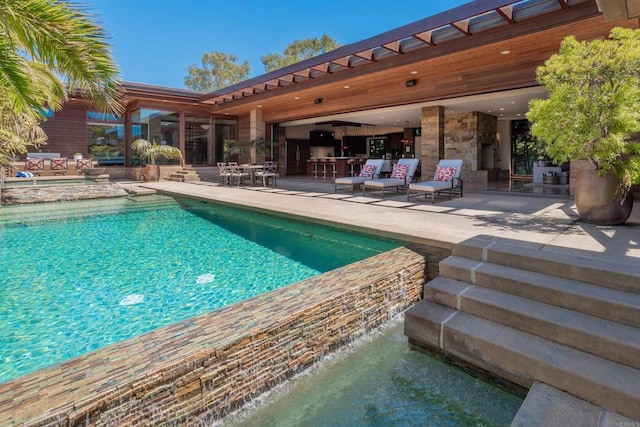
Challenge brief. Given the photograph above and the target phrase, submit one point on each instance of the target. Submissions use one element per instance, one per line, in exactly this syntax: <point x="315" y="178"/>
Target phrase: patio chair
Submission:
<point x="59" y="166"/>
<point x="238" y="172"/>
<point x="268" y="172"/>
<point x="82" y="164"/>
<point x="401" y="176"/>
<point x="224" y="173"/>
<point x="34" y="166"/>
<point x="370" y="170"/>
<point x="445" y="180"/>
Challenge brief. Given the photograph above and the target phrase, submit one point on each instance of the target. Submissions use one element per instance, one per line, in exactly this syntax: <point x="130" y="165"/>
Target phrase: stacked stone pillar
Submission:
<point x="432" y="146"/>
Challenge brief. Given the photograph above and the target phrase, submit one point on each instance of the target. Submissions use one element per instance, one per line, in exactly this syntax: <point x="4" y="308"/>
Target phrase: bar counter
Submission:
<point x="343" y="166"/>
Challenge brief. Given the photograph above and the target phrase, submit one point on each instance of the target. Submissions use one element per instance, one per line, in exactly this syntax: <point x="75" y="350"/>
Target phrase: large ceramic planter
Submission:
<point x="598" y="199"/>
<point x="151" y="172"/>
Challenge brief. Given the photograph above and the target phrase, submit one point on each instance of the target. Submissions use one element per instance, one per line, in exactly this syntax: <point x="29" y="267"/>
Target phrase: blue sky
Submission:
<point x="154" y="41"/>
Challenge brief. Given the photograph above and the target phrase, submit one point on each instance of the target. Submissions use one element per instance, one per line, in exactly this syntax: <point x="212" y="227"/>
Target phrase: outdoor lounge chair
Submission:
<point x="82" y="164"/>
<point x="445" y="180"/>
<point x="34" y="166"/>
<point x="59" y="166"/>
<point x="401" y="176"/>
<point x="370" y="170"/>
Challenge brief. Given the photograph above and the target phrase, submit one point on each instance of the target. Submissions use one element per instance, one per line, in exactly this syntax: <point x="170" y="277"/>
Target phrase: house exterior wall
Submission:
<point x="67" y="131"/>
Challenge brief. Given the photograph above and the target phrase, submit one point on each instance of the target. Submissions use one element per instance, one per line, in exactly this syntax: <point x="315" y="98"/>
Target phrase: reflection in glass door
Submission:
<point x="196" y="140"/>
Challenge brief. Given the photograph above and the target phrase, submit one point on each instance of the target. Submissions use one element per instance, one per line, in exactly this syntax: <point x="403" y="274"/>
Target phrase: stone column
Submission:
<point x="257" y="130"/>
<point x="432" y="146"/>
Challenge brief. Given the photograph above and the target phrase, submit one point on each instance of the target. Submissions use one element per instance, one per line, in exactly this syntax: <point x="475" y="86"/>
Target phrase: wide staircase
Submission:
<point x="527" y="315"/>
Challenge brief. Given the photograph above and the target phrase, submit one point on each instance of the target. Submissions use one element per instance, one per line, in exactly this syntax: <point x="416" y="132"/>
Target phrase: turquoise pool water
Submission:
<point x="78" y="276"/>
<point x="379" y="381"/>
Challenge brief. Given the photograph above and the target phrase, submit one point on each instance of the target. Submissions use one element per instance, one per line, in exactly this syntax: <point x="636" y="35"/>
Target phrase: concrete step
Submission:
<point x="523" y="358"/>
<point x="610" y="340"/>
<point x="175" y="178"/>
<point x="607" y="303"/>
<point x="546" y="406"/>
<point x="616" y="275"/>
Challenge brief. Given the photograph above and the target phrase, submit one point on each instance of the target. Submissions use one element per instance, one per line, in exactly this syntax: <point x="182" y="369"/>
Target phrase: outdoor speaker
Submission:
<point x="317" y="101"/>
<point x="410" y="83"/>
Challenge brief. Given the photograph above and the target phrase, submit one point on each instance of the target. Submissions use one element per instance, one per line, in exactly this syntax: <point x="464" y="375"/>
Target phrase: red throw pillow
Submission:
<point x="59" y="164"/>
<point x="399" y="171"/>
<point x="445" y="173"/>
<point x="367" y="171"/>
<point x="83" y="164"/>
<point x="35" y="164"/>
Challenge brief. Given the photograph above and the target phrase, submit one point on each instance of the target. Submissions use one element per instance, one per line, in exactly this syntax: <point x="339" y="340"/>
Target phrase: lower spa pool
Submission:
<point x="79" y="276"/>
<point x="379" y="381"/>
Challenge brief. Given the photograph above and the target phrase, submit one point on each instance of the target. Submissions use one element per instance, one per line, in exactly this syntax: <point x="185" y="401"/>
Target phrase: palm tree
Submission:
<point x="44" y="41"/>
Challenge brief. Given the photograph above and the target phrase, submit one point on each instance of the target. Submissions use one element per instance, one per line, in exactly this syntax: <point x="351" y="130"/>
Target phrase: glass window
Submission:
<point x="105" y="138"/>
<point x="161" y="127"/>
<point x="225" y="130"/>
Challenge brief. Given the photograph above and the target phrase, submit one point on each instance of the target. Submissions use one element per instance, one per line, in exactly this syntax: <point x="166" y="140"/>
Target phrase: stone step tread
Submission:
<point x="530" y="256"/>
<point x="593" y="334"/>
<point x="522" y="357"/>
<point x="610" y="340"/>
<point x="547" y="406"/>
<point x="600" y="301"/>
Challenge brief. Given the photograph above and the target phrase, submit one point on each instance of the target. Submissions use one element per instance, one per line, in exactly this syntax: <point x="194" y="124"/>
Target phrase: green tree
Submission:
<point x="43" y="42"/>
<point x="18" y="131"/>
<point x="593" y="108"/>
<point x="299" y="50"/>
<point x="218" y="70"/>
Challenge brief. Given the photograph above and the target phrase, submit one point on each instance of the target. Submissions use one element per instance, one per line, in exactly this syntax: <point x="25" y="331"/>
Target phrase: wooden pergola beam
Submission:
<point x="506" y="13"/>
<point x="426" y="37"/>
<point x="462" y="26"/>
<point x="393" y="46"/>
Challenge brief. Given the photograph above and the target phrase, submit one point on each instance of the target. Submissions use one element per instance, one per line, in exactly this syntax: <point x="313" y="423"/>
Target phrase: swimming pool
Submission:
<point x="81" y="275"/>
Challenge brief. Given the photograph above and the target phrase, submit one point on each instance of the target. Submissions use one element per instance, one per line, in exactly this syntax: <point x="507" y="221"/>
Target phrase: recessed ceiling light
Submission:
<point x="505" y="52"/>
<point x="518" y="114"/>
<point x="488" y="111"/>
<point x="513" y="102"/>
<point x="259" y="106"/>
<point x="501" y="109"/>
<point x="346" y="86"/>
<point x="413" y="72"/>
<point x="296" y="97"/>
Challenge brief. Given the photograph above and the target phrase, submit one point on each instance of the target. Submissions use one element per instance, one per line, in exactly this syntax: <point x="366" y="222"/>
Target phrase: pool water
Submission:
<point x="78" y="276"/>
<point x="379" y="381"/>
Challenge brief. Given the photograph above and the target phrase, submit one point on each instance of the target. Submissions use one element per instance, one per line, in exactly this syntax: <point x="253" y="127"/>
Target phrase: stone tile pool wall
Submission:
<point x="201" y="368"/>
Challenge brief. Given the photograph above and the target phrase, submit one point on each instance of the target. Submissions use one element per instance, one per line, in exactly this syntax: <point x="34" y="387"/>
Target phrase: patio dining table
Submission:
<point x="252" y="169"/>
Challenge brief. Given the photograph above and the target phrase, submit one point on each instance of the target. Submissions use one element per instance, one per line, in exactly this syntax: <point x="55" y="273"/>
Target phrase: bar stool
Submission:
<point x="314" y="161"/>
<point x="333" y="163"/>
<point x="322" y="165"/>
<point x="352" y="166"/>
<point x="361" y="162"/>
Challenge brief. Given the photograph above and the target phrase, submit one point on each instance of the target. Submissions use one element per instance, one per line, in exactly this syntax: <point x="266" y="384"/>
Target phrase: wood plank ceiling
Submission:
<point x="479" y="47"/>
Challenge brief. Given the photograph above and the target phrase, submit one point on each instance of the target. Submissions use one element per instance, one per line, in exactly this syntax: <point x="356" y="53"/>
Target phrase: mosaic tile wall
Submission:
<point x="196" y="370"/>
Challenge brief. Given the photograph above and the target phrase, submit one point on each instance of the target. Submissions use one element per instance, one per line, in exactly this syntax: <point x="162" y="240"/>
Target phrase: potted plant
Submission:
<point x="593" y="114"/>
<point x="152" y="152"/>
